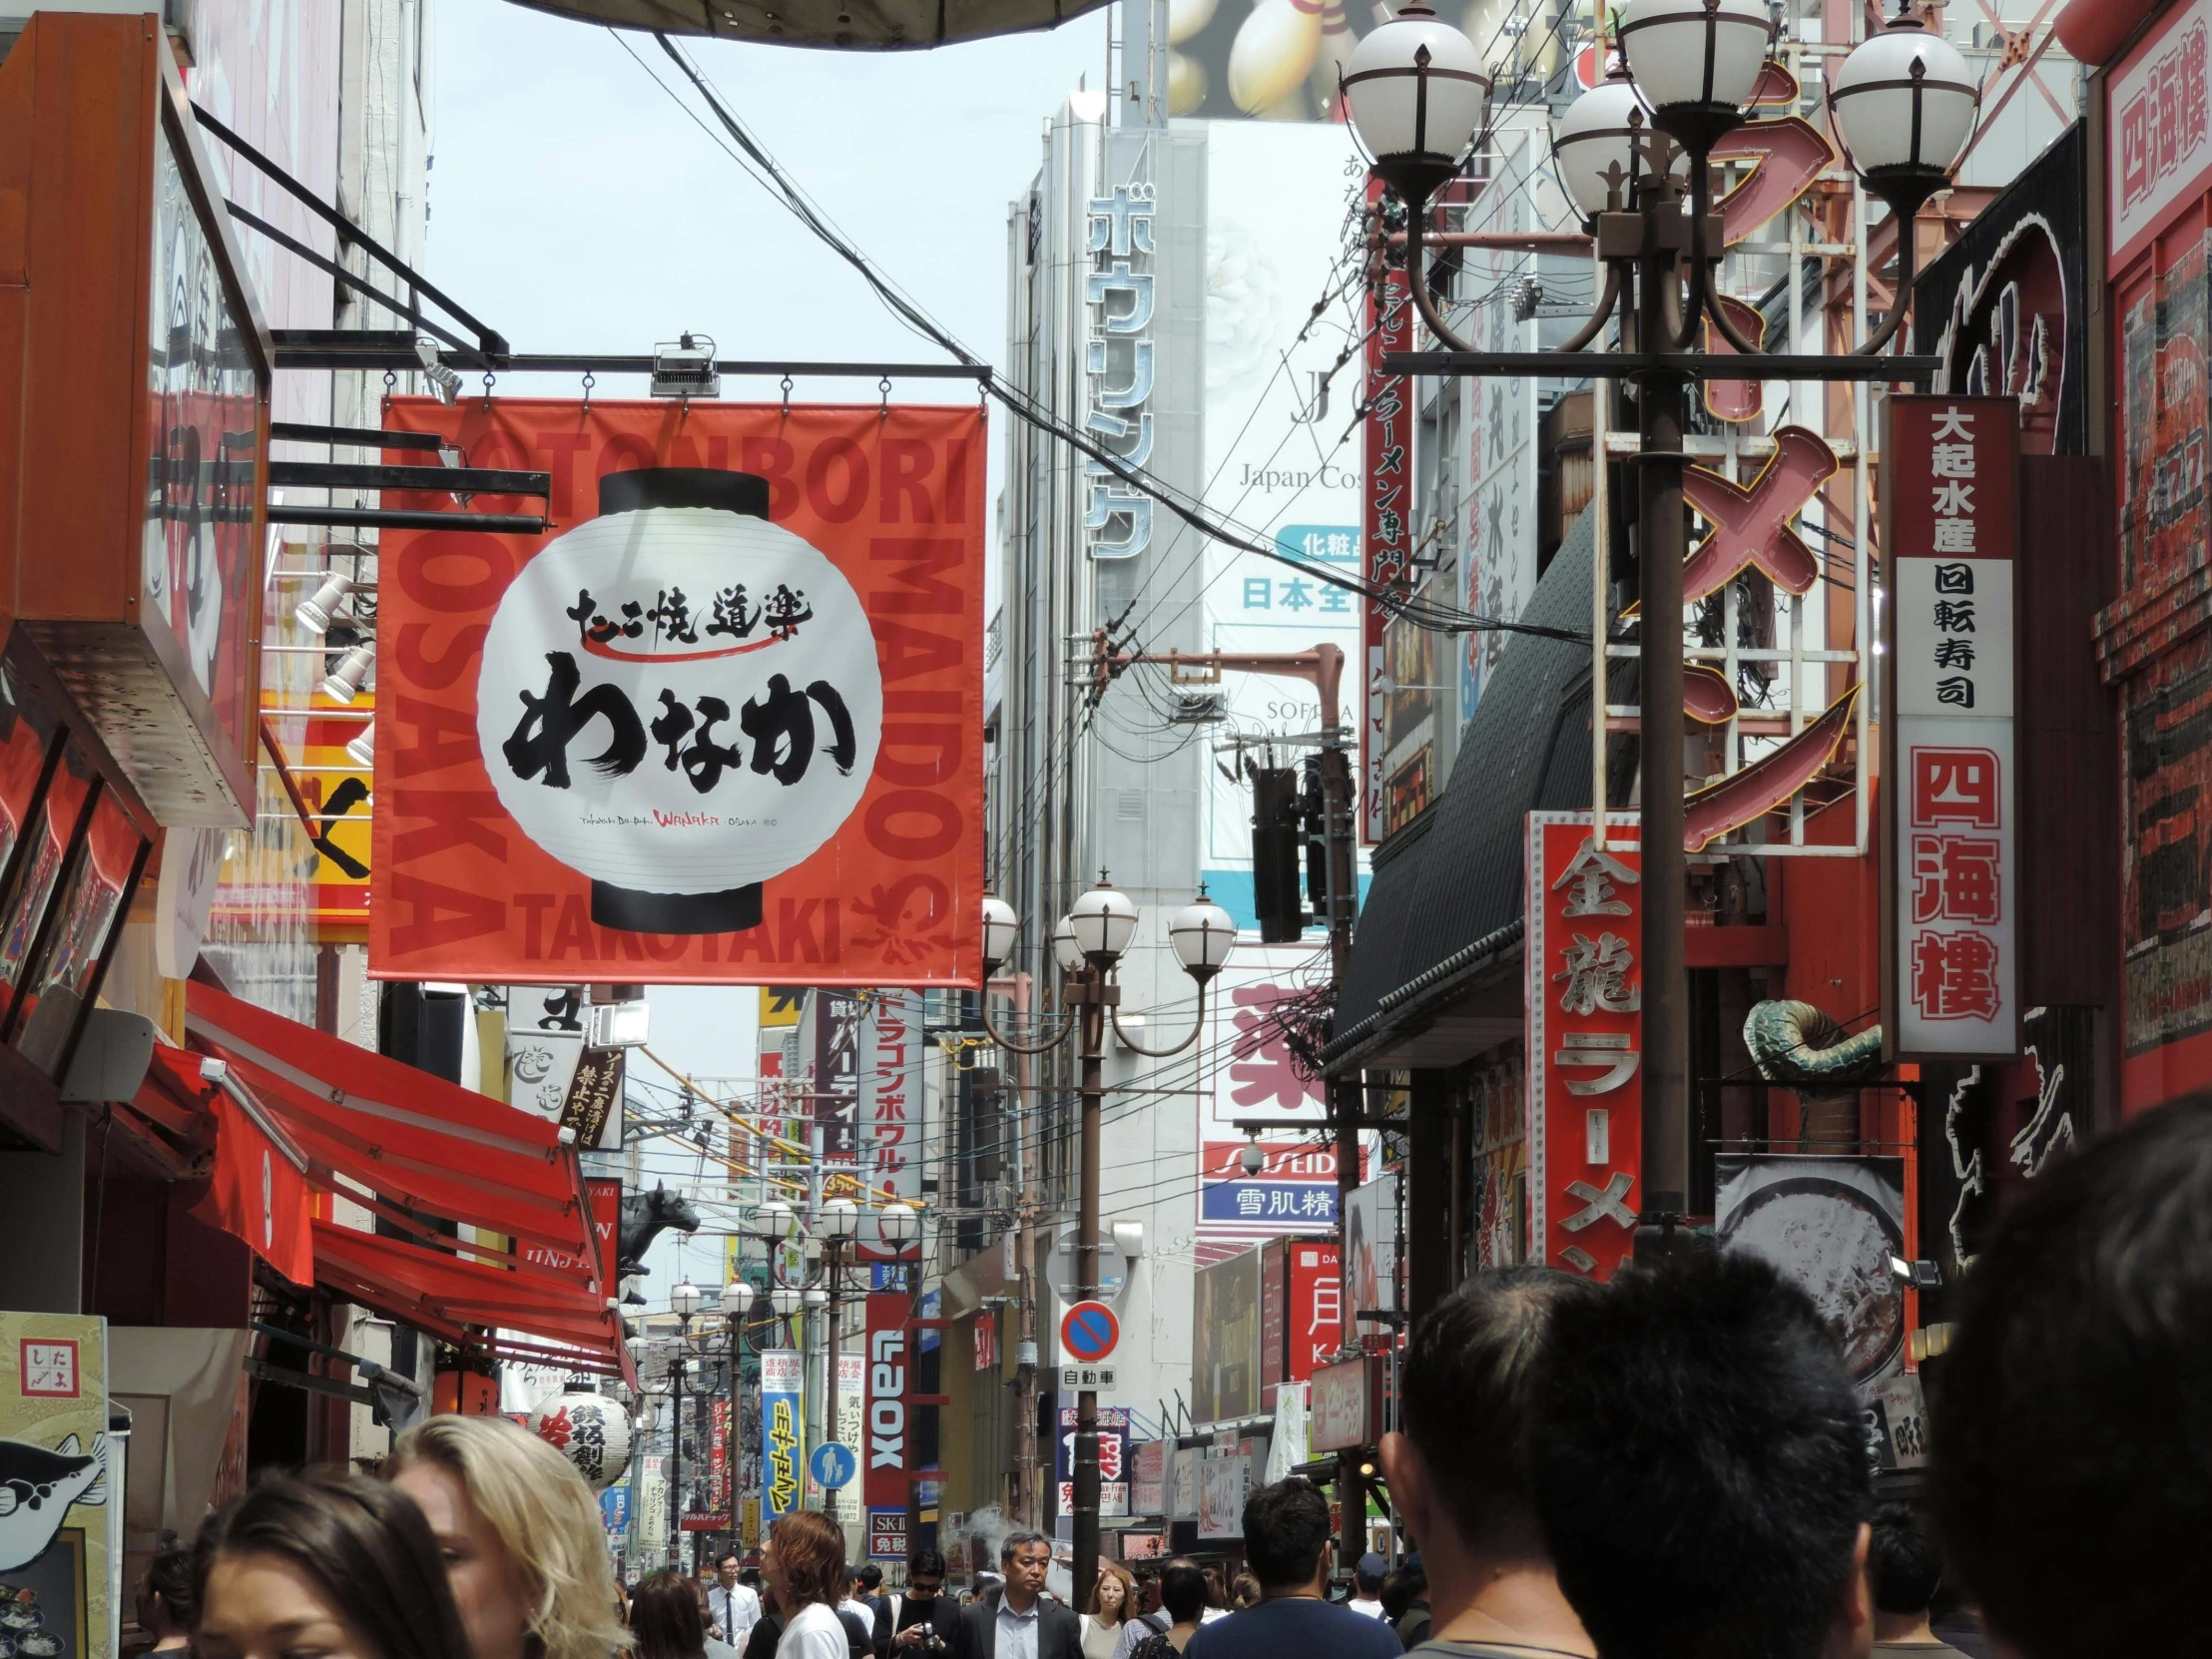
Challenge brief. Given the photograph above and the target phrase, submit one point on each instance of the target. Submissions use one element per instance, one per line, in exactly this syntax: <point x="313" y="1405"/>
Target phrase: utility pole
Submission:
<point x="1025" y="1352"/>
<point x="1093" y="995"/>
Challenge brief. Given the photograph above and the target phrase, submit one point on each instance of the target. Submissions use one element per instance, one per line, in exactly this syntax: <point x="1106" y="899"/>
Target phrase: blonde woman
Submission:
<point x="1113" y="1603"/>
<point x="525" y="1548"/>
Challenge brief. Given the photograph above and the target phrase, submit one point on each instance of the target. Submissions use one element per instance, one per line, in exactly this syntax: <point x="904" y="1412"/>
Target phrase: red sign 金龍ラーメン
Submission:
<point x="716" y="725"/>
<point x="1585" y="998"/>
<point x="1950" y="950"/>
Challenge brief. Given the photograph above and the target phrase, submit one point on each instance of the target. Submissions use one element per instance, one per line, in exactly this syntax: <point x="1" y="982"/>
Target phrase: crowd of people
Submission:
<point x="1672" y="1465"/>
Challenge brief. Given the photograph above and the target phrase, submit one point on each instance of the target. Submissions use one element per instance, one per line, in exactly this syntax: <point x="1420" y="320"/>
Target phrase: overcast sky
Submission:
<point x="576" y="208"/>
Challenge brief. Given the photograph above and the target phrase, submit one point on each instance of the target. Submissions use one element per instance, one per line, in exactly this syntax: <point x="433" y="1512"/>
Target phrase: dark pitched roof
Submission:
<point x="1447" y="892"/>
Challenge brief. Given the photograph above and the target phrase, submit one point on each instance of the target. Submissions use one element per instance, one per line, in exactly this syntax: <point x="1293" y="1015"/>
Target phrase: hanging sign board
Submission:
<point x="1950" y="845"/>
<point x="715" y="727"/>
<point x="1585" y="1040"/>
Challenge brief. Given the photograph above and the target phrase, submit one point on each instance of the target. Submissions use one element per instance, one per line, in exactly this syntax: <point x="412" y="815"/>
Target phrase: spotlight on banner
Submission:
<point x="684" y="367"/>
<point x="445" y="385"/>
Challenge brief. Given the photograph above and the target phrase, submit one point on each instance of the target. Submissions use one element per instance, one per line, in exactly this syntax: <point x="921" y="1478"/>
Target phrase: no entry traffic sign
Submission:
<point x="1089" y="1330"/>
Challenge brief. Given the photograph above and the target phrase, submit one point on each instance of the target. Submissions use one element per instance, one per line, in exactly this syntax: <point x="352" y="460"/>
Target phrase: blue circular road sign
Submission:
<point x="1089" y="1330"/>
<point x="833" y="1465"/>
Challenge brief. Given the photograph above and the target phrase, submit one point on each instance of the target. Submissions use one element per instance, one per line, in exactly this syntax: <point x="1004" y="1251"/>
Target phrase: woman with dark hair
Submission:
<point x="665" y="1618"/>
<point x="804" y="1562"/>
<point x="164" y="1601"/>
<point x="322" y="1562"/>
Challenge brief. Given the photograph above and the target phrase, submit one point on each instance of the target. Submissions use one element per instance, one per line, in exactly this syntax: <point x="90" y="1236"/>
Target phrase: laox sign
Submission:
<point x="888" y="1438"/>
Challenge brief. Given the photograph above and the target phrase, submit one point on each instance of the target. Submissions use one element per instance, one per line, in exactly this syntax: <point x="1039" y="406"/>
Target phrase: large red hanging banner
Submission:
<point x="720" y="725"/>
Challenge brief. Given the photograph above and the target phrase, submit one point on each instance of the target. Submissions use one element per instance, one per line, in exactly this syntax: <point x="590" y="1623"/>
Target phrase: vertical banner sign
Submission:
<point x="717" y="1457"/>
<point x="783" y="1432"/>
<point x="1118" y="369"/>
<point x="891" y="1095"/>
<point x="1950" y="956"/>
<point x="715" y="727"/>
<point x="1387" y="508"/>
<point x="884" y="1460"/>
<point x="1316" y="1308"/>
<point x="1113" y="1461"/>
<point x="1585" y="997"/>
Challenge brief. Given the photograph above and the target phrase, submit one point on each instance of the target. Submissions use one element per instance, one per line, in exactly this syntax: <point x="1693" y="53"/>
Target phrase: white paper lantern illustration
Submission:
<point x="589" y="1430"/>
<point x="680" y="700"/>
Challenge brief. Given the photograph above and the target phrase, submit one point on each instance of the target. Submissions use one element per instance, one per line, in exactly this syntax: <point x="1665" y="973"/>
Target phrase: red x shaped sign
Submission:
<point x="1751" y="525"/>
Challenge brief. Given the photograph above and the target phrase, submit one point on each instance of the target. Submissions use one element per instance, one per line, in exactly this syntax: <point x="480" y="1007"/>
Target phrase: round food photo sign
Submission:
<point x="680" y="700"/>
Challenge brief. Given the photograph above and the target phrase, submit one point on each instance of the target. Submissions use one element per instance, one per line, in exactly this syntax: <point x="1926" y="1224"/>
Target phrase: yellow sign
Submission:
<point x="54" y="1427"/>
<point x="780" y="1006"/>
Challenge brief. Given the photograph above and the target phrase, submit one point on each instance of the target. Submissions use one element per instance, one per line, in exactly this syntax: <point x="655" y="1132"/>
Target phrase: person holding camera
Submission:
<point x="912" y="1616"/>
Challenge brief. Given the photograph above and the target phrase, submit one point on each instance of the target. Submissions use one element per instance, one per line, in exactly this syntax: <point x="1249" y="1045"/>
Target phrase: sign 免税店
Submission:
<point x="1950" y="839"/>
<point x="705" y="747"/>
<point x="1585" y="1040"/>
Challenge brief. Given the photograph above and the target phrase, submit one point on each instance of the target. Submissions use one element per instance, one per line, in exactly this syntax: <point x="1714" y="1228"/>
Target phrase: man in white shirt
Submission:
<point x="731" y="1609"/>
<point x="1367" y="1585"/>
<point x="1016" y="1622"/>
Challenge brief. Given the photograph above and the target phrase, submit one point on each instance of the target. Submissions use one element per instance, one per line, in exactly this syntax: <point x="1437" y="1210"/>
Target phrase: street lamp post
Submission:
<point x="837" y="1221"/>
<point x="684" y="1301"/>
<point x="1087" y="943"/>
<point x="1633" y="154"/>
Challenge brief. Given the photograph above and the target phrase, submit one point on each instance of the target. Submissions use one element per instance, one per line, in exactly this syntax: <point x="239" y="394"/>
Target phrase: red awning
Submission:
<point x="399" y="1142"/>
<point x="444" y="1294"/>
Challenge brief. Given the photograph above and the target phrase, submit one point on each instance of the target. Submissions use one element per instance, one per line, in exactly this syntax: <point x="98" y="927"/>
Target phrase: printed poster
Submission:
<point x="59" y="1565"/>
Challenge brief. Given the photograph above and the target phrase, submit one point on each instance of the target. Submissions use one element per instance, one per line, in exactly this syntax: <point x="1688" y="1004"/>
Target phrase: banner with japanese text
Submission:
<point x="716" y="725"/>
<point x="1387" y="514"/>
<point x="783" y="1432"/>
<point x="1585" y="996"/>
<point x="1950" y="910"/>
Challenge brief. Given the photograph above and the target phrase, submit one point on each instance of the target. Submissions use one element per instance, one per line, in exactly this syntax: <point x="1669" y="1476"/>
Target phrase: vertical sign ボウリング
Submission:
<point x="1585" y="999"/>
<point x="1951" y="946"/>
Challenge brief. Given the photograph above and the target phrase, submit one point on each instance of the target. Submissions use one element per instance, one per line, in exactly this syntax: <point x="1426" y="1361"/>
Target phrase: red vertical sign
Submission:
<point x="888" y="1444"/>
<point x="1951" y="966"/>
<point x="1386" y="534"/>
<point x="1316" y="1307"/>
<point x="1586" y="1041"/>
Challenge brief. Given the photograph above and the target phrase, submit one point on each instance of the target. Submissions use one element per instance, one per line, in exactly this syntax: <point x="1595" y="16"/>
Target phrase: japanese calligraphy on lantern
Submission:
<point x="1118" y="367"/>
<point x="1386" y="534"/>
<point x="1586" y="1041"/>
<point x="2161" y="117"/>
<point x="1950" y="949"/>
<point x="709" y="727"/>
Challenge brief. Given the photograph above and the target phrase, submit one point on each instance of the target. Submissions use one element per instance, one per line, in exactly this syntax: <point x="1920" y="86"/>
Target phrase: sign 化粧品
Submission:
<point x="1585" y="1039"/>
<point x="1951" y="847"/>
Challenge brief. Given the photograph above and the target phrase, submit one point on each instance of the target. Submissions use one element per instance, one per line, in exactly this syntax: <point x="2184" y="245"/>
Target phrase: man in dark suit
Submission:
<point x="1018" y="1621"/>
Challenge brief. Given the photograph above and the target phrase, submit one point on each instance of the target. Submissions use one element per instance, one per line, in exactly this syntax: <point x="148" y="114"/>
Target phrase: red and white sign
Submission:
<point x="891" y="1047"/>
<point x="1386" y="533"/>
<point x="676" y="743"/>
<point x="1316" y="1308"/>
<point x="1089" y="1333"/>
<point x="48" y="1367"/>
<point x="889" y="1441"/>
<point x="2160" y="137"/>
<point x="1585" y="1000"/>
<point x="1950" y="495"/>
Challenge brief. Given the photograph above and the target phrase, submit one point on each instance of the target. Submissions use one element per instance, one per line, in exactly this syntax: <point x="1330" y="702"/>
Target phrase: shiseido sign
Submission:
<point x="719" y="723"/>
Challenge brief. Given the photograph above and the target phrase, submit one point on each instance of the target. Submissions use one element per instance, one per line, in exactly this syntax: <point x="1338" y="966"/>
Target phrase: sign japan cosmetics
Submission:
<point x="717" y="721"/>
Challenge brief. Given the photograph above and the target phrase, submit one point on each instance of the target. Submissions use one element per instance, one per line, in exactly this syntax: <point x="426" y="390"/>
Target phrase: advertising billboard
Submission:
<point x="1281" y="457"/>
<point x="1225" y="1340"/>
<point x="711" y="726"/>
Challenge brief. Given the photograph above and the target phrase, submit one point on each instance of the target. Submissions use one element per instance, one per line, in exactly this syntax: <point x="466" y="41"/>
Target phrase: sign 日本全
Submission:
<point x="1585" y="1040"/>
<point x="711" y="724"/>
<point x="1950" y="956"/>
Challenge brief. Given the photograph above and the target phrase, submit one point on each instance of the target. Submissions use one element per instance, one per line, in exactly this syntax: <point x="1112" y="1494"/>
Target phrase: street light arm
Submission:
<point x="1008" y="1043"/>
<point x="1197" y="1026"/>
<point x="1600" y="314"/>
<point x="1417" y="281"/>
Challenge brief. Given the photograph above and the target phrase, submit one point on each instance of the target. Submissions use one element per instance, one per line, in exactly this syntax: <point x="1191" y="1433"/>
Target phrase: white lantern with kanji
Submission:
<point x="680" y="700"/>
<point x="589" y="1430"/>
